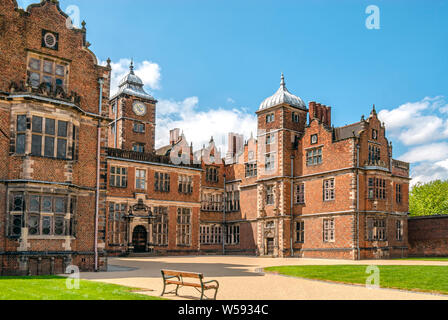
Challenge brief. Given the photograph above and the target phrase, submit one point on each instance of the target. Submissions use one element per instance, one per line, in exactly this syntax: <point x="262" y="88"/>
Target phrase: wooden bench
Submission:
<point x="172" y="277"/>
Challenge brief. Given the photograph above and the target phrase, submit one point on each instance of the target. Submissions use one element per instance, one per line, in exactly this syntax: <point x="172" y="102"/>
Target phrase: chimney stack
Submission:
<point x="174" y="136"/>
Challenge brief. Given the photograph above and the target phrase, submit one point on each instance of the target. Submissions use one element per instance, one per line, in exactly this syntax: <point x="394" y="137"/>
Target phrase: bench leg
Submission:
<point x="202" y="294"/>
<point x="216" y="293"/>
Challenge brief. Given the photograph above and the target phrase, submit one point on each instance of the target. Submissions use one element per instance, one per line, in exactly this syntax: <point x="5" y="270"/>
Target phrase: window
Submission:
<point x="21" y="134"/>
<point x="160" y="226"/>
<point x="138" y="147"/>
<point x="329" y="190"/>
<point x="270" y="138"/>
<point x="295" y="117"/>
<point x="300" y="231"/>
<point x="44" y="215"/>
<point x="140" y="179"/>
<point x="183" y="226"/>
<point x="314" y="139"/>
<point x="233" y="234"/>
<point x="211" y="202"/>
<point x="314" y="157"/>
<point x="232" y="198"/>
<point x="185" y="184"/>
<point x="270" y="195"/>
<point x="269" y="162"/>
<point x="118" y="177"/>
<point x="376" y="229"/>
<point x="16" y="208"/>
<point x="374" y="134"/>
<point x="50" y="40"/>
<point x="45" y="140"/>
<point x="211" y="174"/>
<point x="48" y="71"/>
<point x="117" y="223"/>
<point x="295" y="143"/>
<point x="377" y="189"/>
<point x="398" y="195"/>
<point x="270" y="118"/>
<point x="328" y="230"/>
<point x="251" y="170"/>
<point x="139" y="127"/>
<point x="161" y="182"/>
<point x="300" y="193"/>
<point x="374" y="155"/>
<point x="399" y="226"/>
<point x="210" y="234"/>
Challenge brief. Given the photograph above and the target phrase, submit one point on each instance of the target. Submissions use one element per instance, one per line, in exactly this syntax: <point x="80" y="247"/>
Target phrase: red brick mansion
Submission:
<point x="81" y="179"/>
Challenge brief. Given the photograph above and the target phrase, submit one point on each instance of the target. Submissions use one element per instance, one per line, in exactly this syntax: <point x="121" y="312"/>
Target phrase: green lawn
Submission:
<point x="54" y="288"/>
<point x="416" y="278"/>
<point x="426" y="258"/>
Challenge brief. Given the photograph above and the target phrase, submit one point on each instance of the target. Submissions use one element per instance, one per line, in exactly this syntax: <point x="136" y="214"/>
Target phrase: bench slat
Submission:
<point x="183" y="274"/>
<point x="197" y="285"/>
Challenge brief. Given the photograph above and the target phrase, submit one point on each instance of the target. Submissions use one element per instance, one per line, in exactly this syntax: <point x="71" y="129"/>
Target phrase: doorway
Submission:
<point x="139" y="239"/>
<point x="270" y="246"/>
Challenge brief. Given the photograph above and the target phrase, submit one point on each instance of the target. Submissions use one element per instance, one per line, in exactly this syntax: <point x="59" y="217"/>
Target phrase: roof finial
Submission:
<point x="374" y="110"/>
<point x="282" y="83"/>
<point x="131" y="67"/>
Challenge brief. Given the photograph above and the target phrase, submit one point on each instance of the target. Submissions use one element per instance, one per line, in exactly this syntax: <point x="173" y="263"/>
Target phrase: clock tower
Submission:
<point x="133" y="112"/>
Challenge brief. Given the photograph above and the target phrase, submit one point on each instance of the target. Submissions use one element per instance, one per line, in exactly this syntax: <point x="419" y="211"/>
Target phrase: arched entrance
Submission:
<point x="139" y="239"/>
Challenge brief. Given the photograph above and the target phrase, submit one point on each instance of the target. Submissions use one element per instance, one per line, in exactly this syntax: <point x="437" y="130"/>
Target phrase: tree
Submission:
<point x="429" y="199"/>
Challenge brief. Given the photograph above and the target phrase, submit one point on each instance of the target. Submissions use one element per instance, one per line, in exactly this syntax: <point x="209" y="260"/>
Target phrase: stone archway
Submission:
<point x="139" y="239"/>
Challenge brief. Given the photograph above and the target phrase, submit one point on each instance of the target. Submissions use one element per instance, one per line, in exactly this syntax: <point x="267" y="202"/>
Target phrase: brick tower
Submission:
<point x="281" y="123"/>
<point x="134" y="113"/>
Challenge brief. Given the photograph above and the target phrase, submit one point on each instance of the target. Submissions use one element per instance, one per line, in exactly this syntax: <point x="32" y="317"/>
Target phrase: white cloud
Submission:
<point x="423" y="127"/>
<point x="426" y="172"/>
<point x="148" y="71"/>
<point x="419" y="122"/>
<point x="430" y="152"/>
<point x="200" y="125"/>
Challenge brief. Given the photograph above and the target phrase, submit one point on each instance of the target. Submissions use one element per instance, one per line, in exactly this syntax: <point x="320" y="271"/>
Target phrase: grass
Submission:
<point x="426" y="258"/>
<point x="54" y="288"/>
<point x="432" y="279"/>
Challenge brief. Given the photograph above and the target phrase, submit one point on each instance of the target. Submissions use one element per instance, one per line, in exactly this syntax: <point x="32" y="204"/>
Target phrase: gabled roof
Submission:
<point x="349" y="131"/>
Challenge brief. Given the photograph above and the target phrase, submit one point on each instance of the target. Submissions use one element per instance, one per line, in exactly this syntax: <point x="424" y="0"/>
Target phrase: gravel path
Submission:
<point x="240" y="278"/>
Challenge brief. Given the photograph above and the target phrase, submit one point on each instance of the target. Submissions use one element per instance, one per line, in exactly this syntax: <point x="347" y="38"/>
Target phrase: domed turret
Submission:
<point x="283" y="96"/>
<point x="132" y="85"/>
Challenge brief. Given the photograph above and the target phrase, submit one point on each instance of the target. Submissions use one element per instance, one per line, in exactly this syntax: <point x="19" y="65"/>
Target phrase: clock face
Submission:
<point x="139" y="108"/>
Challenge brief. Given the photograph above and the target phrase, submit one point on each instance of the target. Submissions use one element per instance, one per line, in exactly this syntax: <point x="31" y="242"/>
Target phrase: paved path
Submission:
<point x="240" y="278"/>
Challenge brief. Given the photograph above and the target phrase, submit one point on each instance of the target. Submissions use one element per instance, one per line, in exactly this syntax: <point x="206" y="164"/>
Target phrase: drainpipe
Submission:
<point x="357" y="202"/>
<point x="224" y="218"/>
<point x="98" y="154"/>
<point x="291" y="226"/>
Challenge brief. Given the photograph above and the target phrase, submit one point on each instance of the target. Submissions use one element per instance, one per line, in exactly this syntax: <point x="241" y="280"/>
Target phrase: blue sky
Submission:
<point x="215" y="61"/>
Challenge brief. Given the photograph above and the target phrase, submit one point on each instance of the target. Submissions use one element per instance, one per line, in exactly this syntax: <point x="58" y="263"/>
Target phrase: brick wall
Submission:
<point x="428" y="236"/>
